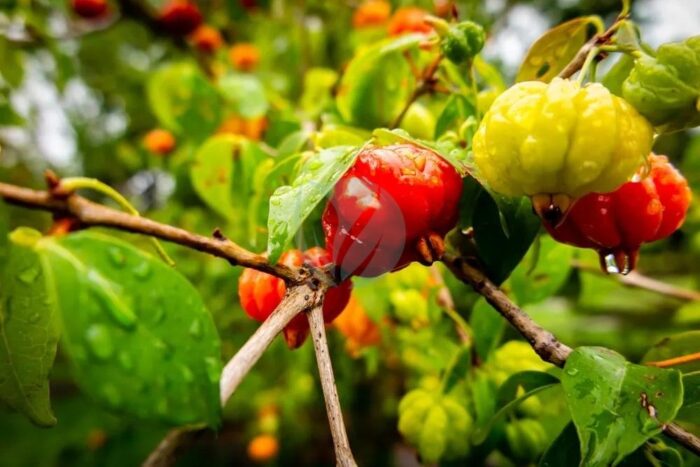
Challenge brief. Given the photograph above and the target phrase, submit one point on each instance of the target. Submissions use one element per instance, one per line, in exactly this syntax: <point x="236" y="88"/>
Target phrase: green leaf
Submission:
<point x="564" y="450"/>
<point x="531" y="383"/>
<point x="245" y="93"/>
<point x="457" y="369"/>
<point x="549" y="54"/>
<point x="212" y="173"/>
<point x="605" y="394"/>
<point x="677" y="345"/>
<point x="11" y="62"/>
<point x="184" y="100"/>
<point x="690" y="412"/>
<point x="617" y="75"/>
<point x="487" y="327"/>
<point x="139" y="336"/>
<point x="377" y="83"/>
<point x="504" y="229"/>
<point x="29" y="334"/>
<point x="456" y="110"/>
<point x="543" y="271"/>
<point x="291" y="205"/>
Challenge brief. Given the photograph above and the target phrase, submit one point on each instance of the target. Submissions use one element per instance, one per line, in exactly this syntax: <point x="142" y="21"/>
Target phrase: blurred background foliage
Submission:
<point x="78" y="97"/>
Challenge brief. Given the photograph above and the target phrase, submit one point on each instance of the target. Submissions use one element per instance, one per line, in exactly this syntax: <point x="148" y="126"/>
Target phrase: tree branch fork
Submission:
<point x="305" y="294"/>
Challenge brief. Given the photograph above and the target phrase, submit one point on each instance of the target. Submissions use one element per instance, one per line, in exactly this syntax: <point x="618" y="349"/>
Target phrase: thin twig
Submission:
<point x="297" y="300"/>
<point x="343" y="454"/>
<point x="93" y="214"/>
<point x="597" y="40"/>
<point x="447" y="303"/>
<point x="680" y="360"/>
<point x="638" y="280"/>
<point x="542" y="341"/>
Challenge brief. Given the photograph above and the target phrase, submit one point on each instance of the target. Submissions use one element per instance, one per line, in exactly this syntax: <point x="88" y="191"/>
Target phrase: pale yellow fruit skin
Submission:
<point x="540" y="138"/>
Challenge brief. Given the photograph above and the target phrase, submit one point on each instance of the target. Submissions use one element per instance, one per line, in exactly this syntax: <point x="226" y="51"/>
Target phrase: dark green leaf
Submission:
<point x="139" y="336"/>
<point x="543" y="271"/>
<point x="531" y="383"/>
<point x="29" y="332"/>
<point x="457" y="369"/>
<point x="690" y="411"/>
<point x="456" y="110"/>
<point x="504" y="229"/>
<point x="290" y="205"/>
<point x="608" y="399"/>
<point x="654" y="453"/>
<point x="487" y="326"/>
<point x="245" y="93"/>
<point x="685" y="343"/>
<point x="564" y="450"/>
<point x="377" y="83"/>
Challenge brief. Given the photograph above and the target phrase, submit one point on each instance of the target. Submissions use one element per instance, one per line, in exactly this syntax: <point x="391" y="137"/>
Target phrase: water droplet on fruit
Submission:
<point x="116" y="255"/>
<point x="213" y="368"/>
<point x="29" y="275"/>
<point x="99" y="341"/>
<point x="196" y="329"/>
<point x="143" y="270"/>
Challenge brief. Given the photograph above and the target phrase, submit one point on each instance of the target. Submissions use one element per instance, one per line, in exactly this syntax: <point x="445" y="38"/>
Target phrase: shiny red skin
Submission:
<point x="386" y="202"/>
<point x="638" y="212"/>
<point x="180" y="17"/>
<point x="260" y="293"/>
<point x="89" y="9"/>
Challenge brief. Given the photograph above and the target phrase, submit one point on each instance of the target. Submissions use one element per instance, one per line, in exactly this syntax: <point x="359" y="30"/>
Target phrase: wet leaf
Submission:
<point x="140" y="339"/>
<point x="29" y="334"/>
<point x="291" y="205"/>
<point x="608" y="397"/>
<point x="549" y="54"/>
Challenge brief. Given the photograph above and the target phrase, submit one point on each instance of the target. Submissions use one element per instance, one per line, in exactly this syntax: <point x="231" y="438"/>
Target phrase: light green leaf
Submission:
<point x="139" y="336"/>
<point x="377" y="83"/>
<point x="246" y="93"/>
<point x="549" y="54"/>
<point x="690" y="411"/>
<point x="608" y="398"/>
<point x="212" y="173"/>
<point x="456" y="110"/>
<point x="291" y="205"/>
<point x="28" y="334"/>
<point x="184" y="100"/>
<point x="457" y="369"/>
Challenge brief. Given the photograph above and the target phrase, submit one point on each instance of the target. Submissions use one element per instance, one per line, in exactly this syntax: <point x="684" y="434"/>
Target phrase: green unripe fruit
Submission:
<point x="462" y="41"/>
<point x="666" y="88"/>
<point x="437" y="425"/>
<point x="419" y="122"/>
<point x="526" y="439"/>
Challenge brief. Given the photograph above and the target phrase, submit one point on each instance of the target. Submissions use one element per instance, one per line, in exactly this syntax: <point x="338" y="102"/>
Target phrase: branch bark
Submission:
<point x="93" y="214"/>
<point x="343" y="454"/>
<point x="298" y="299"/>
<point x="548" y="347"/>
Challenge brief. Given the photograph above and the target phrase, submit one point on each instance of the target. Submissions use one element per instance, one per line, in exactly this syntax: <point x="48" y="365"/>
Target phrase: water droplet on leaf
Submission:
<point x="143" y="270"/>
<point x="99" y="341"/>
<point x="196" y="329"/>
<point x="29" y="275"/>
<point x="116" y="255"/>
<point x="572" y="372"/>
<point x="213" y="367"/>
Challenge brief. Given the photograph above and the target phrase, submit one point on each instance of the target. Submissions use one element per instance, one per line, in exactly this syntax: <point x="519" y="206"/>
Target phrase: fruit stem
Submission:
<point x="587" y="64"/>
<point x="69" y="185"/>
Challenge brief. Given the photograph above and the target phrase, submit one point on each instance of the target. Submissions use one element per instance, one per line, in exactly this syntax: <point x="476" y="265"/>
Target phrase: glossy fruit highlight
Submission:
<point x="393" y="206"/>
<point x="616" y="224"/>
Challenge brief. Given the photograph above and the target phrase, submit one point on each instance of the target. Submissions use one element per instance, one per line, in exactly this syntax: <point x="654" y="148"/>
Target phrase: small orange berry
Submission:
<point x="262" y="448"/>
<point x="407" y="20"/>
<point x="244" y="56"/>
<point x="159" y="141"/>
<point x="252" y="128"/>
<point x="359" y="330"/>
<point x="371" y="13"/>
<point x="207" y="39"/>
